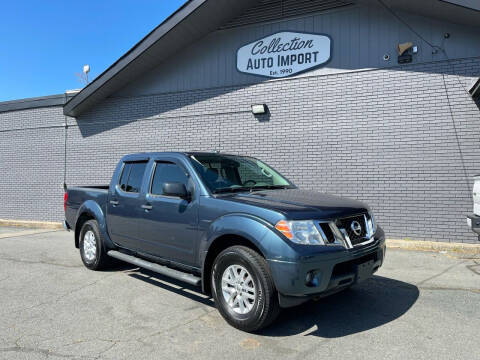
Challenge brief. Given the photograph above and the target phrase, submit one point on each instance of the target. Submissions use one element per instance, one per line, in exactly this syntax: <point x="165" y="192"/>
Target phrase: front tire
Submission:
<point x="243" y="289"/>
<point x="92" y="252"/>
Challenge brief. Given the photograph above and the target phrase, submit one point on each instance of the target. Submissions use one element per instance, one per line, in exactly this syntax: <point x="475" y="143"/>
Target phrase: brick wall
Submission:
<point x="382" y="136"/>
<point x="31" y="164"/>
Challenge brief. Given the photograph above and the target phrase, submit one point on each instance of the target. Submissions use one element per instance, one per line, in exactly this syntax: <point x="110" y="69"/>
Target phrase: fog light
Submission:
<point x="311" y="279"/>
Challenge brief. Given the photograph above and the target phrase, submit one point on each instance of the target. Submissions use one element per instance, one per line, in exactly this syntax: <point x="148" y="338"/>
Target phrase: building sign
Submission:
<point x="284" y="54"/>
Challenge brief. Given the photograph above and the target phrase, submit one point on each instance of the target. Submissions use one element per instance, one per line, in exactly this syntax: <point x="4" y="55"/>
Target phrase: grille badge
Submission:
<point x="356" y="227"/>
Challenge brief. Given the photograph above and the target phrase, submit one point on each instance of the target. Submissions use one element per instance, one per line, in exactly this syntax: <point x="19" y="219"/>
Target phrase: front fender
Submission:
<point x="93" y="209"/>
<point x="256" y="230"/>
<point x="244" y="225"/>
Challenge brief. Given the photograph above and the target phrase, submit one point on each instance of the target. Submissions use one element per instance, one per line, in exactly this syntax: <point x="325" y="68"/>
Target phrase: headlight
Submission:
<point x="372" y="224"/>
<point x="300" y="232"/>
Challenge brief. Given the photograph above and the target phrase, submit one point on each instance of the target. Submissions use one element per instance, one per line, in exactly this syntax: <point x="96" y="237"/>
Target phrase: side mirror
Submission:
<point x="175" y="189"/>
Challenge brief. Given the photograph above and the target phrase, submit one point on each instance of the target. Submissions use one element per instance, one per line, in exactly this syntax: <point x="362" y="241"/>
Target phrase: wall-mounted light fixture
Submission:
<point x="259" y="109"/>
<point x="404" y="52"/>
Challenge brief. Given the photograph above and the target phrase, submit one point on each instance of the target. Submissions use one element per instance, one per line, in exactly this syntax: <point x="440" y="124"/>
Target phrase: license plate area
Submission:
<point x="364" y="270"/>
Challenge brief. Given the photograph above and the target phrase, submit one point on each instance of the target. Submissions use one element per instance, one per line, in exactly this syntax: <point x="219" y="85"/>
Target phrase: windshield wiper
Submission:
<point x="270" y="187"/>
<point x="232" y="189"/>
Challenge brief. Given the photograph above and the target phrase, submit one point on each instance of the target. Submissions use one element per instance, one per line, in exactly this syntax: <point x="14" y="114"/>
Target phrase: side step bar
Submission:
<point x="175" y="274"/>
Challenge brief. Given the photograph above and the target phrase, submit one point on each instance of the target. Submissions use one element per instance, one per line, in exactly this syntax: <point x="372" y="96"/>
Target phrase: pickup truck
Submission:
<point x="230" y="224"/>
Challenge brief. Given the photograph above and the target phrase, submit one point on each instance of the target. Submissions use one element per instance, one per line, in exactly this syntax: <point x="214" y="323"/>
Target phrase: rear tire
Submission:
<point x="243" y="289"/>
<point x="92" y="252"/>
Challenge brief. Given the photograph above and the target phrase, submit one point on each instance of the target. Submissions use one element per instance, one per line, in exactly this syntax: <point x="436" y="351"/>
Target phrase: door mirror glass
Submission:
<point x="175" y="189"/>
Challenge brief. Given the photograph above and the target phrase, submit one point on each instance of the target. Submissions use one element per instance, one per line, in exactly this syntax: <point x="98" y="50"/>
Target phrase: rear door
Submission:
<point x="168" y="226"/>
<point x="124" y="204"/>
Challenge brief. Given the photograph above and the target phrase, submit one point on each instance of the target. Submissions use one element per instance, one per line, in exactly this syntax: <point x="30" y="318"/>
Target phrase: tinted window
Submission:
<point x="132" y="175"/>
<point x="167" y="172"/>
<point x="124" y="177"/>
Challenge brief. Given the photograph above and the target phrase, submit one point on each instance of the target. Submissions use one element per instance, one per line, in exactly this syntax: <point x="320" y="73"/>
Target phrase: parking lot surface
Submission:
<point x="420" y="305"/>
<point x="12" y="229"/>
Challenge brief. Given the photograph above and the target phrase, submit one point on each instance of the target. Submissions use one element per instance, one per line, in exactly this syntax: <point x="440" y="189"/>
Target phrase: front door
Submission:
<point x="125" y="204"/>
<point x="168" y="225"/>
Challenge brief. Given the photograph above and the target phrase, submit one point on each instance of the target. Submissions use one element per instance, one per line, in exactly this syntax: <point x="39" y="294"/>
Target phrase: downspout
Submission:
<point x="65" y="125"/>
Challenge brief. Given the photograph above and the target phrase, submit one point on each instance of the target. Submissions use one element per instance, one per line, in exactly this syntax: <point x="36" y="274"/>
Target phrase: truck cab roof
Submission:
<point x="177" y="154"/>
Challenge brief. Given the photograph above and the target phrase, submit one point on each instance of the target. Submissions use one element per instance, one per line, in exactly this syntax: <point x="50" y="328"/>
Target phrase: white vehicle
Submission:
<point x="473" y="220"/>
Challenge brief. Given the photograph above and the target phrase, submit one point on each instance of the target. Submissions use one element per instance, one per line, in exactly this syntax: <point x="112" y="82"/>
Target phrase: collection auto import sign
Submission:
<point x="284" y="54"/>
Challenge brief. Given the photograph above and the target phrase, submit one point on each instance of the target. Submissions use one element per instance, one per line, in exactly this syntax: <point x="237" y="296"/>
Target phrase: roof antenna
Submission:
<point x="83" y="76"/>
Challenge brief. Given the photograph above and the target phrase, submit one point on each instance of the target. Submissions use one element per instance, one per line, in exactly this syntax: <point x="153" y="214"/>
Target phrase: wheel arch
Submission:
<point x="82" y="219"/>
<point x="91" y="210"/>
<point x="221" y="243"/>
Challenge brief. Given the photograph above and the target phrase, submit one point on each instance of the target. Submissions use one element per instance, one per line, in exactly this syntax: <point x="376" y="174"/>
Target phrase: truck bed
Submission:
<point x="91" y="187"/>
<point x="77" y="195"/>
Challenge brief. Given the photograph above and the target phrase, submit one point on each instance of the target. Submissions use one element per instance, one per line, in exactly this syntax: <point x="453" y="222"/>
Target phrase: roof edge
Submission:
<point x="468" y="4"/>
<point x="145" y="43"/>
<point x="33" y="102"/>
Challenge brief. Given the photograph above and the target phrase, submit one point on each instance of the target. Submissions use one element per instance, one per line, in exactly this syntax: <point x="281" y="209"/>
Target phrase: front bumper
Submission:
<point x="329" y="272"/>
<point x="473" y="222"/>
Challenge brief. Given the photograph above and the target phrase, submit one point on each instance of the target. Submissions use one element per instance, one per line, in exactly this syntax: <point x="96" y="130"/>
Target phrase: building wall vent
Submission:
<point x="270" y="10"/>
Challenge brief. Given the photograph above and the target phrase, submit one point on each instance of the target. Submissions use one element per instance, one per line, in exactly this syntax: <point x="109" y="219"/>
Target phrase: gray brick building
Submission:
<point x="404" y="137"/>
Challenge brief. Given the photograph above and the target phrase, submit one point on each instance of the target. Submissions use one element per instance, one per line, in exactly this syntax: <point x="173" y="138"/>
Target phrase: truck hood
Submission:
<point x="298" y="204"/>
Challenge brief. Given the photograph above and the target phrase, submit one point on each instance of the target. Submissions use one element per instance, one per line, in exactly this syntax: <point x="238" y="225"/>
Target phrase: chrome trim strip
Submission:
<point x="346" y="237"/>
<point x="366" y="242"/>
<point x="322" y="234"/>
<point x="339" y="236"/>
<point x="368" y="225"/>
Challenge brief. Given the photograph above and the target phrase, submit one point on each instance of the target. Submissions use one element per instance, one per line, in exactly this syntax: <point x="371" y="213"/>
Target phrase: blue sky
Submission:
<point x="44" y="43"/>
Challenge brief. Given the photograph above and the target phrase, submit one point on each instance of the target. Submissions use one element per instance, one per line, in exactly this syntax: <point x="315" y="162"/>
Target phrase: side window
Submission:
<point x="166" y="173"/>
<point x="124" y="177"/>
<point x="132" y="175"/>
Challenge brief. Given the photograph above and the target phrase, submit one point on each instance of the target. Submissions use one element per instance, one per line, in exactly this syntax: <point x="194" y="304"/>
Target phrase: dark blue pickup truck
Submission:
<point x="230" y="224"/>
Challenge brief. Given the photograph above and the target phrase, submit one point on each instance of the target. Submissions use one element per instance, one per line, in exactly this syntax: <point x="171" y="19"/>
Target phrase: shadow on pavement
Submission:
<point x="117" y="266"/>
<point x="368" y="305"/>
<point x="189" y="291"/>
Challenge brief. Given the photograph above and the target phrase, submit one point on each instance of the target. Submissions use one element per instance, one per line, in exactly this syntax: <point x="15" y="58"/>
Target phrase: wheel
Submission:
<point x="92" y="252"/>
<point x="243" y="289"/>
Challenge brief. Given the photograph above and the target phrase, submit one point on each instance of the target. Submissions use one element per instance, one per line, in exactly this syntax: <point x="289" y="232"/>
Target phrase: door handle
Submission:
<point x="147" y="207"/>
<point x="114" y="202"/>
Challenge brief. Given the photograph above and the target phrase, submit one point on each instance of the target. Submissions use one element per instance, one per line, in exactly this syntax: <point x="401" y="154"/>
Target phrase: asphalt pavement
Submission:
<point x="420" y="305"/>
<point x="10" y="230"/>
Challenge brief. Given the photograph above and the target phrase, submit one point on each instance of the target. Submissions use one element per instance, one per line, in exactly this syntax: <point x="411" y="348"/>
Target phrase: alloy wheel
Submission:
<point x="238" y="289"/>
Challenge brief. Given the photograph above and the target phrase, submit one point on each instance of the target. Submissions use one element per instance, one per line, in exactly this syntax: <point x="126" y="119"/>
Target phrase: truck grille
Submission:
<point x="355" y="228"/>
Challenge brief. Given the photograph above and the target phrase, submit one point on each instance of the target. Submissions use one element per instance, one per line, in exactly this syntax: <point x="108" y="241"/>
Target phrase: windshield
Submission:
<point x="230" y="173"/>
